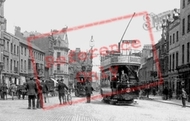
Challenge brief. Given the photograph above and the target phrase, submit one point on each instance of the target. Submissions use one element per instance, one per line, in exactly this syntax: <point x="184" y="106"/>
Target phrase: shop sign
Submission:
<point x="134" y="59"/>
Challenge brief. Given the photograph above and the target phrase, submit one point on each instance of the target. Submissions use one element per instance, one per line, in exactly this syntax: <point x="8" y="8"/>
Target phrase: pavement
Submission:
<point x="172" y="101"/>
<point x="144" y="110"/>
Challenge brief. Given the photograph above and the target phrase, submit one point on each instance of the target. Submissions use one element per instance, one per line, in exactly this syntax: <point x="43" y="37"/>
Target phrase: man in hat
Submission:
<point x="61" y="90"/>
<point x="31" y="91"/>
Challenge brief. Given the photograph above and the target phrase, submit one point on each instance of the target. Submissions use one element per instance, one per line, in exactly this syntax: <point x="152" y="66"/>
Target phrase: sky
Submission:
<point x="44" y="15"/>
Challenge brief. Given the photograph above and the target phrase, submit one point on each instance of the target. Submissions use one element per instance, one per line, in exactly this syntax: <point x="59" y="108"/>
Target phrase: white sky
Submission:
<point x="44" y="15"/>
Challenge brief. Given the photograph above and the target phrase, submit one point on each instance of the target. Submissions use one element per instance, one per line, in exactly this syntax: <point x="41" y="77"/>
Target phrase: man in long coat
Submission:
<point x="88" y="89"/>
<point x="31" y="91"/>
<point x="61" y="90"/>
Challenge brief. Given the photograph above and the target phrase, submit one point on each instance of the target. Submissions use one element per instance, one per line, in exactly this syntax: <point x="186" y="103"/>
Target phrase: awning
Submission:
<point x="54" y="80"/>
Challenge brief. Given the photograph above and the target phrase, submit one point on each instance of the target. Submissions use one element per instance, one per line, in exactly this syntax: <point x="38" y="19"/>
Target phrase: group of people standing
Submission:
<point x="36" y="89"/>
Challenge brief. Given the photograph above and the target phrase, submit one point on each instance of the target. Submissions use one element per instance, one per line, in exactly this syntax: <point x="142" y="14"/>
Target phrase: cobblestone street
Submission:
<point x="16" y="110"/>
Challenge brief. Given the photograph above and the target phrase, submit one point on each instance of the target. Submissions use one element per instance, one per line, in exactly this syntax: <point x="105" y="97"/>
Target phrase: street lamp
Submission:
<point x="91" y="44"/>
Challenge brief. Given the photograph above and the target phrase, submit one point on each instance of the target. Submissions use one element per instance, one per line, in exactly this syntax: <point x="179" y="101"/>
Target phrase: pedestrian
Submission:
<point x="88" y="89"/>
<point x="39" y="101"/>
<point x="184" y="97"/>
<point x="61" y="90"/>
<point x="170" y="94"/>
<point x="31" y="88"/>
<point x="154" y="91"/>
<point x="4" y="91"/>
<point x="44" y="90"/>
<point x="13" y="90"/>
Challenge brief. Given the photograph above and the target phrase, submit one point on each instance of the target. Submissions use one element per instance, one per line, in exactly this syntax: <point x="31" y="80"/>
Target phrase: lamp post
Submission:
<point x="91" y="44"/>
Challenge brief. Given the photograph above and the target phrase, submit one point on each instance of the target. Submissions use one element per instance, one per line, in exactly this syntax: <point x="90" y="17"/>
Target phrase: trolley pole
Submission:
<point x="119" y="44"/>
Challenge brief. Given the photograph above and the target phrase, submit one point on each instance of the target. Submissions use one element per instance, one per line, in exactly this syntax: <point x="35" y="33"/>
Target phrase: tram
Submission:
<point x="121" y="84"/>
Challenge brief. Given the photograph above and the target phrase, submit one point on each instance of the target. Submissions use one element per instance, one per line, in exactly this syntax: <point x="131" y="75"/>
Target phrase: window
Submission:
<point x="183" y="27"/>
<point x="24" y="65"/>
<point x="11" y="66"/>
<point x="58" y="67"/>
<point x="4" y="63"/>
<point x="173" y="38"/>
<point x="15" y="49"/>
<point x="29" y="64"/>
<point x="8" y="46"/>
<point x="188" y="23"/>
<point x="21" y="63"/>
<point x="4" y="44"/>
<point x="7" y="64"/>
<point x="17" y="64"/>
<point x="177" y="36"/>
<point x="188" y="52"/>
<point x="183" y="4"/>
<point x="183" y="57"/>
<point x="21" y="50"/>
<point x="11" y="47"/>
<point x="25" y="51"/>
<point x="170" y="62"/>
<point x="188" y="1"/>
<point x="176" y="59"/>
<point x="170" y="39"/>
<point x="58" y="54"/>
<point x="14" y="65"/>
<point x="173" y="66"/>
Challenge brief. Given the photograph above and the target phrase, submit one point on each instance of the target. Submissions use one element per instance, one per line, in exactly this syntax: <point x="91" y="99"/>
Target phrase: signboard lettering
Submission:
<point x="156" y="21"/>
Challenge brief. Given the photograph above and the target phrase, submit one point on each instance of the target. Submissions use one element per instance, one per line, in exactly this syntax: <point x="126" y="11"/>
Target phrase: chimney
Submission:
<point x="18" y="32"/>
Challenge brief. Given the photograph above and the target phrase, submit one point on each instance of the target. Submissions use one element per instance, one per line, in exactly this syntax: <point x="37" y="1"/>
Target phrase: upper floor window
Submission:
<point x="183" y="26"/>
<point x="15" y="49"/>
<point x="8" y="46"/>
<point x="58" y="67"/>
<point x="177" y="36"/>
<point x="174" y="38"/>
<point x="21" y="49"/>
<point x="11" y="47"/>
<point x="170" y="39"/>
<point x="25" y="51"/>
<point x="188" y="23"/>
<point x="183" y="54"/>
<point x="183" y="4"/>
<point x="58" y="54"/>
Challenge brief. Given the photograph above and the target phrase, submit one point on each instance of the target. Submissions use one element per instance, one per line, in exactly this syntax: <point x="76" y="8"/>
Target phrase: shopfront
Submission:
<point x="183" y="79"/>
